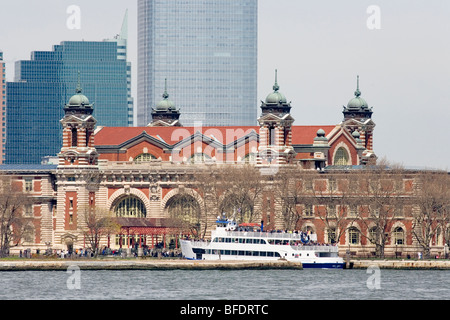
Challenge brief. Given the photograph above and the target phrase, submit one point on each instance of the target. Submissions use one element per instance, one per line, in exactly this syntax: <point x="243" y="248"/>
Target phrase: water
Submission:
<point x="311" y="284"/>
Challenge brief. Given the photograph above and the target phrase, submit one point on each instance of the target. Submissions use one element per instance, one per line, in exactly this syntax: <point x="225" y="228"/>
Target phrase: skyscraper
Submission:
<point x="207" y="51"/>
<point x="45" y="83"/>
<point x="3" y="107"/>
<point x="122" y="54"/>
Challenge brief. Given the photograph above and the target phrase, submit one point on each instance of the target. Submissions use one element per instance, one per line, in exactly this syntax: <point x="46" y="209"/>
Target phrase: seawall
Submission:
<point x="63" y="265"/>
<point x="164" y="264"/>
<point x="402" y="264"/>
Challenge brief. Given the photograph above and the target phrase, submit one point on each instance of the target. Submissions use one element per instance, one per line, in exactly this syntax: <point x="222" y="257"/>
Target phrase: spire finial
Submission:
<point x="165" y="95"/>
<point x="79" y="89"/>
<point x="276" y="87"/>
<point x="357" y="92"/>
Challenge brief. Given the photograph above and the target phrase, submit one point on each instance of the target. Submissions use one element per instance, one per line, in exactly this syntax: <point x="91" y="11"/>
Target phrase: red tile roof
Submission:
<point x="113" y="136"/>
<point x="306" y="134"/>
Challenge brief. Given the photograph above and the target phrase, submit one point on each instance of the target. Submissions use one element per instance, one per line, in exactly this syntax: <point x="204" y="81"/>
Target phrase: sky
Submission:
<point x="400" y="49"/>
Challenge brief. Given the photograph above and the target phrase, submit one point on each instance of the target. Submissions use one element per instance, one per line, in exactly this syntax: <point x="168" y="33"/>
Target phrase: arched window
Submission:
<point x="144" y="157"/>
<point x="341" y="158"/>
<point x="399" y="236"/>
<point x="373" y="234"/>
<point x="353" y="235"/>
<point x="332" y="235"/>
<point x="130" y="207"/>
<point x="200" y="158"/>
<point x="185" y="211"/>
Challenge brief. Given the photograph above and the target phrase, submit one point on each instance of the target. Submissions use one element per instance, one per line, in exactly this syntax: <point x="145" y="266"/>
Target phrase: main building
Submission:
<point x="138" y="173"/>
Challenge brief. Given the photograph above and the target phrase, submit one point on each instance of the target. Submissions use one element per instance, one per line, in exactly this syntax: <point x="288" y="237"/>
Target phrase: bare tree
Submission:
<point x="12" y="220"/>
<point x="240" y="189"/>
<point x="98" y="224"/>
<point x="380" y="197"/>
<point x="209" y="186"/>
<point x="185" y="212"/>
<point x="433" y="202"/>
<point x="288" y="189"/>
<point x="335" y="199"/>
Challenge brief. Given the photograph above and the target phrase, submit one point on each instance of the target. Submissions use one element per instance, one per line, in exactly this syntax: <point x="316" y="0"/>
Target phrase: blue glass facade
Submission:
<point x="3" y="107"/>
<point x="44" y="84"/>
<point x="207" y="50"/>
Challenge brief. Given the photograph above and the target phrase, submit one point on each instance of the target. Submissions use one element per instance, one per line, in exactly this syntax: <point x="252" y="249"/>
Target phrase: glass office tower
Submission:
<point x="3" y="107"/>
<point x="44" y="84"/>
<point x="207" y="50"/>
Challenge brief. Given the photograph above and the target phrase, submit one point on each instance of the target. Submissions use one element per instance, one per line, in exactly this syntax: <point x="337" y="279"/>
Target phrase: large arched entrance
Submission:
<point x="184" y="211"/>
<point x="129" y="207"/>
<point x="139" y="233"/>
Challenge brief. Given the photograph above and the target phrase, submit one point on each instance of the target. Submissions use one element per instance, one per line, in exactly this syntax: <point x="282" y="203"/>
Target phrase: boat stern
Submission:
<point x="187" y="250"/>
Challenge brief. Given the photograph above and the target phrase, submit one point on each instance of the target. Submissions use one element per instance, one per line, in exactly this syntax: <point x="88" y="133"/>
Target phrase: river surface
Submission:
<point x="308" y="284"/>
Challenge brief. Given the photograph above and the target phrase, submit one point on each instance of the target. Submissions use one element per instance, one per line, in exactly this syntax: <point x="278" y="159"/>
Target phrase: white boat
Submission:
<point x="249" y="242"/>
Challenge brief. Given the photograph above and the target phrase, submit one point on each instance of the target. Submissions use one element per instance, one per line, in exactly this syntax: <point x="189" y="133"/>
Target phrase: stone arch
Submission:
<point x="174" y="192"/>
<point x="127" y="192"/>
<point x="184" y="208"/>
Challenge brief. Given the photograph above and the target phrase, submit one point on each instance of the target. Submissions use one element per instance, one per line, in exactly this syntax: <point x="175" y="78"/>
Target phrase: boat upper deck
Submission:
<point x="259" y="234"/>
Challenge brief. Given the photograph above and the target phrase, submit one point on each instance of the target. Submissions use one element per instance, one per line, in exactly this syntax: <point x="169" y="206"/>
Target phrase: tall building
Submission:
<point x="3" y="106"/>
<point x="122" y="54"/>
<point x="207" y="51"/>
<point x="43" y="85"/>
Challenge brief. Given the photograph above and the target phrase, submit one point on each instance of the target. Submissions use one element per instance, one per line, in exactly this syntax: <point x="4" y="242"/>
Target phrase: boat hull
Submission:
<point x="323" y="265"/>
<point x="200" y="253"/>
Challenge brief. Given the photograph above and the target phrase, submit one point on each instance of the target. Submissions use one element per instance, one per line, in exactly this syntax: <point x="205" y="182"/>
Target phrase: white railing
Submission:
<point x="200" y="244"/>
<point x="324" y="248"/>
<point x="265" y="235"/>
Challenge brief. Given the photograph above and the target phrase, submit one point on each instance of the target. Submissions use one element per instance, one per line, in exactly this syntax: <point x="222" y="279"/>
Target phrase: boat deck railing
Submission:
<point x="200" y="244"/>
<point x="319" y="248"/>
<point x="307" y="247"/>
<point x="265" y="235"/>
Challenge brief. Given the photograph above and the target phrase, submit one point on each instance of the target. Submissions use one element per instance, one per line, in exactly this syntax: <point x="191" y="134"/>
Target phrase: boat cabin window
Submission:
<point x="244" y="253"/>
